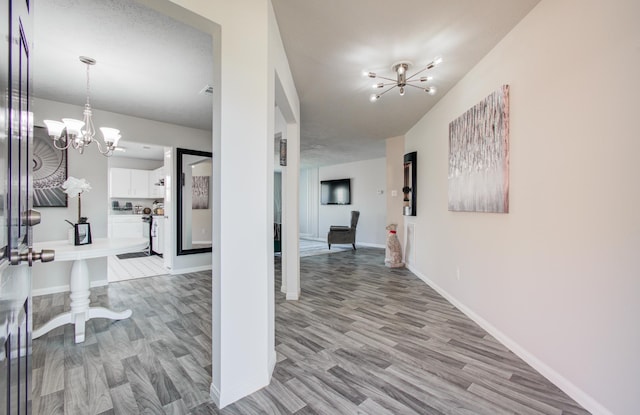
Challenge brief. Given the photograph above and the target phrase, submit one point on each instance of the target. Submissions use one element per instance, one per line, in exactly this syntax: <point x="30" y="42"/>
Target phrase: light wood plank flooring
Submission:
<point x="363" y="339"/>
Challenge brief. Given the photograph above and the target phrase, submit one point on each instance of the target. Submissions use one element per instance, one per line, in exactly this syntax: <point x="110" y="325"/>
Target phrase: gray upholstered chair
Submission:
<point x="344" y="234"/>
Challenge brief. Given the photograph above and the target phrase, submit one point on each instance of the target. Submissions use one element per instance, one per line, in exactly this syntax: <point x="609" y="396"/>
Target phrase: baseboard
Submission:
<point x="293" y="296"/>
<point x="368" y="245"/>
<point x="215" y="394"/>
<point x="64" y="288"/>
<point x="179" y="271"/>
<point x="577" y="394"/>
<point x="221" y="400"/>
<point x="273" y="358"/>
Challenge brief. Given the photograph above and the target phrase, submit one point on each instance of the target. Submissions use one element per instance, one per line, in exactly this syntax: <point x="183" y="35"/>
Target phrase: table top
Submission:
<point x="99" y="248"/>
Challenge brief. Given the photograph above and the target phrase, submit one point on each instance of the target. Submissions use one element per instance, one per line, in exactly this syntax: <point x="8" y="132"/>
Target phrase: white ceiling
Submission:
<point x="148" y="65"/>
<point x="153" y="67"/>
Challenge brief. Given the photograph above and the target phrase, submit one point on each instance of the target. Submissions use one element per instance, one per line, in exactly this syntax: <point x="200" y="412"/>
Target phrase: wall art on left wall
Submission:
<point x="49" y="171"/>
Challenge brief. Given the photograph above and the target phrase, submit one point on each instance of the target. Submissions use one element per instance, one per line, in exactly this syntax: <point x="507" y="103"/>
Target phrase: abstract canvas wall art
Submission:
<point x="200" y="195"/>
<point x="479" y="156"/>
<point x="49" y="171"/>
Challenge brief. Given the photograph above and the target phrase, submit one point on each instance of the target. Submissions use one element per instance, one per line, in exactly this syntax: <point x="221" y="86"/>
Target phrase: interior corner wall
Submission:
<point x="395" y="183"/>
<point x="368" y="183"/>
<point x="556" y="278"/>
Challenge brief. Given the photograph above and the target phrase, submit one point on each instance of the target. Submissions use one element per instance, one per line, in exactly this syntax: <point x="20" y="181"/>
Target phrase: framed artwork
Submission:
<point x="200" y="194"/>
<point x="82" y="234"/>
<point x="479" y="156"/>
<point x="49" y="171"/>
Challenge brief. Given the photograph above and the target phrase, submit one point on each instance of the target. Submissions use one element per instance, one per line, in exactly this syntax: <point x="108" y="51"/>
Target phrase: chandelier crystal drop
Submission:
<point x="402" y="80"/>
<point x="70" y="132"/>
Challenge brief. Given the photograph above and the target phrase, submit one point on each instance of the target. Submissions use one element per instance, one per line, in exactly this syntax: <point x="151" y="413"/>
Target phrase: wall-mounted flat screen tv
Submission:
<point x="335" y="192"/>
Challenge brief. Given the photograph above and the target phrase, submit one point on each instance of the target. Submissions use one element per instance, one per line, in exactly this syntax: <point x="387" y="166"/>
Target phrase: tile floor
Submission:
<point x="133" y="268"/>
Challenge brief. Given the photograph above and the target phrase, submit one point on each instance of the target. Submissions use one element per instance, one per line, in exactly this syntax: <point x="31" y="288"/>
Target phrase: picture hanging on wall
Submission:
<point x="49" y="171"/>
<point x="200" y="195"/>
<point x="479" y="156"/>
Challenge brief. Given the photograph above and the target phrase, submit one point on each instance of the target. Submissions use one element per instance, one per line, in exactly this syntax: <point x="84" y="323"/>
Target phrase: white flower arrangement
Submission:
<point x="75" y="187"/>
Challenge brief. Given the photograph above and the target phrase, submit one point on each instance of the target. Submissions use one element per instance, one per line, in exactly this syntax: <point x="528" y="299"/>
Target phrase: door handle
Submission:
<point x="46" y="255"/>
<point x="31" y="217"/>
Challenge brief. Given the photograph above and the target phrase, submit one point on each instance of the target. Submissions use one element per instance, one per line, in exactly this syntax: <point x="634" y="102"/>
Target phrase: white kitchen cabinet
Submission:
<point x="156" y="190"/>
<point x="127" y="226"/>
<point x="129" y="183"/>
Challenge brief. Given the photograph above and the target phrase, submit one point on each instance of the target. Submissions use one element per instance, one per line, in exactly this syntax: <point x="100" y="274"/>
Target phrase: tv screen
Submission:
<point x="335" y="192"/>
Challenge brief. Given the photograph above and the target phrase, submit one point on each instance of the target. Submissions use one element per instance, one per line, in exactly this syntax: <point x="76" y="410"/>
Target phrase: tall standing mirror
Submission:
<point x="194" y="216"/>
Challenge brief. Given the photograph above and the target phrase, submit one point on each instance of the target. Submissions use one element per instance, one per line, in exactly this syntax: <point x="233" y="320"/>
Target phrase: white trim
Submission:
<point x="292" y="296"/>
<point x="177" y="271"/>
<point x="588" y="402"/>
<point x="201" y="242"/>
<point x="313" y="239"/>
<point x="273" y="358"/>
<point x="370" y="245"/>
<point x="64" y="288"/>
<point x="233" y="395"/>
<point x="215" y="394"/>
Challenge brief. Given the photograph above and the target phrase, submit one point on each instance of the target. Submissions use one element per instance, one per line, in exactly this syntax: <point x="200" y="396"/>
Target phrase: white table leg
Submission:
<point x="80" y="311"/>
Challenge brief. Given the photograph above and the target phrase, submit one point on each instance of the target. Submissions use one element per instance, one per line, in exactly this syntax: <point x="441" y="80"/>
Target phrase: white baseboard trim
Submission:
<point x="201" y="242"/>
<point x="370" y="245"/>
<point x="177" y="271"/>
<point x="215" y="394"/>
<point x="64" y="288"/>
<point x="588" y="402"/>
<point x="221" y="400"/>
<point x="273" y="358"/>
<point x="293" y="296"/>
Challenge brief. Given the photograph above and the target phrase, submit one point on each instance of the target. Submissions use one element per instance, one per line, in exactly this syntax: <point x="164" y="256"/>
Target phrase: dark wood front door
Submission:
<point x="16" y="131"/>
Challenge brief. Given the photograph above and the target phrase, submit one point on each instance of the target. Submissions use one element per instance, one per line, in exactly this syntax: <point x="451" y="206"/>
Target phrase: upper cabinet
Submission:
<point x="139" y="184"/>
<point x="156" y="183"/>
<point x="129" y="183"/>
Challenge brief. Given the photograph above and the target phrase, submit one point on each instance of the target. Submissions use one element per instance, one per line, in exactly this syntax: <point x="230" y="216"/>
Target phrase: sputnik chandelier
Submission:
<point x="402" y="80"/>
<point x="70" y="132"/>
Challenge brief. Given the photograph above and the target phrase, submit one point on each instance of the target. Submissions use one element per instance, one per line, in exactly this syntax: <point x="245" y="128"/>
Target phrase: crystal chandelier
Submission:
<point x="402" y="80"/>
<point x="70" y="132"/>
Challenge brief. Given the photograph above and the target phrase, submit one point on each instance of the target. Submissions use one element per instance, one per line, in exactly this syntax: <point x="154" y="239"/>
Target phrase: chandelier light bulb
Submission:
<point x="431" y="90"/>
<point x="380" y="85"/>
<point x="74" y="127"/>
<point x="401" y="91"/>
<point x="426" y="78"/>
<point x="374" y="97"/>
<point x="55" y="128"/>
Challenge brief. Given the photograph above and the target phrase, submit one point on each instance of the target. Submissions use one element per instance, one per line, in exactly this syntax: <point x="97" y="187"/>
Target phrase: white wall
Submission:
<point x="309" y="203"/>
<point x="395" y="183"/>
<point x="367" y="180"/>
<point x="557" y="278"/>
<point x="91" y="165"/>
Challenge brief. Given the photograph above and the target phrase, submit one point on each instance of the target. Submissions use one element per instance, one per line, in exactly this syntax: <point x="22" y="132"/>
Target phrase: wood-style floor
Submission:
<point x="363" y="339"/>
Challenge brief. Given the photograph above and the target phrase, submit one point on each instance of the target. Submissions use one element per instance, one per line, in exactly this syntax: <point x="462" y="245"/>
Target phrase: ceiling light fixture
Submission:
<point x="402" y="80"/>
<point x="69" y="132"/>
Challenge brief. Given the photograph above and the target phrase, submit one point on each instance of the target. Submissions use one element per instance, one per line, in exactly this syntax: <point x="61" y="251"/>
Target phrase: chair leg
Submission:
<point x="354" y="246"/>
<point x="329" y="246"/>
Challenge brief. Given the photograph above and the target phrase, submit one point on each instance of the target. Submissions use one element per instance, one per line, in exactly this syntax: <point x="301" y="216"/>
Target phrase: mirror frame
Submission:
<point x="410" y="184"/>
<point x="179" y="179"/>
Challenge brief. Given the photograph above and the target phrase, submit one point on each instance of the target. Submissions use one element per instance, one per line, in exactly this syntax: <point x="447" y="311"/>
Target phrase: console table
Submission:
<point x="79" y="280"/>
